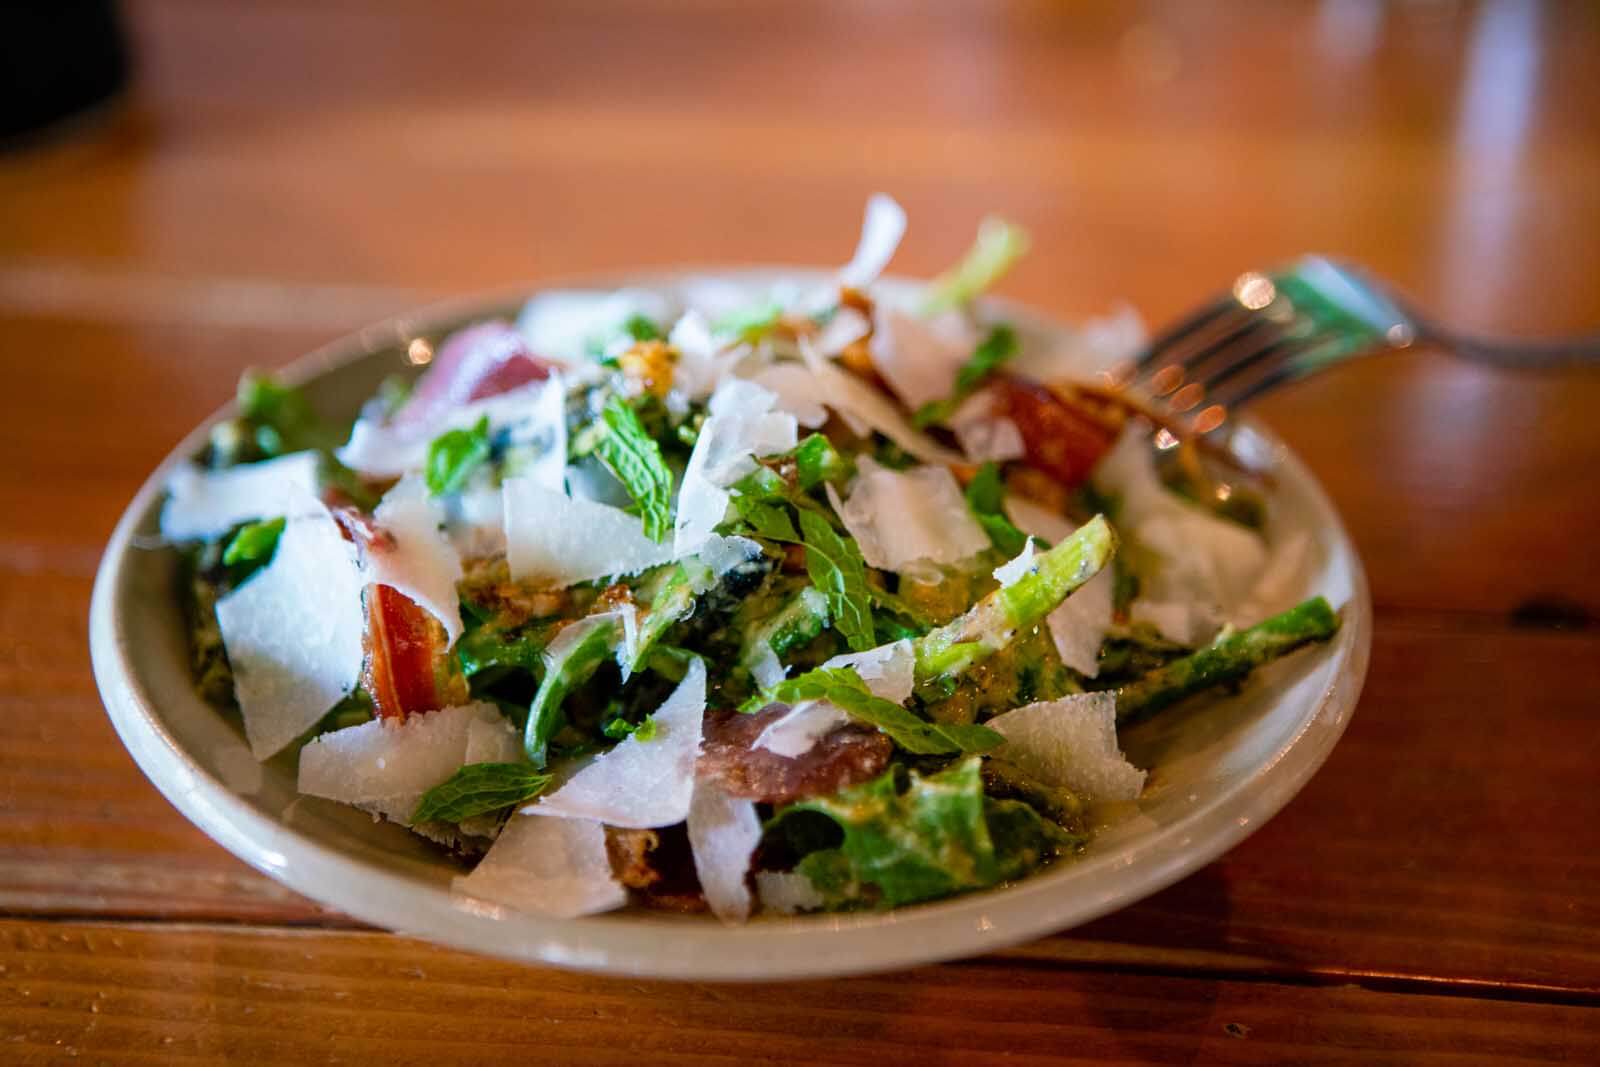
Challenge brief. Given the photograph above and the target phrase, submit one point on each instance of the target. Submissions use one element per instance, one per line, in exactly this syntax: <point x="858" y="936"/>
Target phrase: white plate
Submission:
<point x="1217" y="772"/>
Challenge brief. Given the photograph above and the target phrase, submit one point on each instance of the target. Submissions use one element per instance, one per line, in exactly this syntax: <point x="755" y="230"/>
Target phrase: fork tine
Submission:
<point x="1274" y="347"/>
<point x="1181" y="329"/>
<point x="1292" y="362"/>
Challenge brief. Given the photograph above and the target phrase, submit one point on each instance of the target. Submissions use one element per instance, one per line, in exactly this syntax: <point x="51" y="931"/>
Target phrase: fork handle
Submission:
<point x="1519" y="355"/>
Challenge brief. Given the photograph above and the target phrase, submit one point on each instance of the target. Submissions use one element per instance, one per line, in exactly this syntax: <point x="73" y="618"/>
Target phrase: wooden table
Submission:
<point x="289" y="170"/>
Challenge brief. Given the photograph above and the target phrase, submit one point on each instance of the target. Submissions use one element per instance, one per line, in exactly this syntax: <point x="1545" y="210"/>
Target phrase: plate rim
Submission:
<point x="645" y="945"/>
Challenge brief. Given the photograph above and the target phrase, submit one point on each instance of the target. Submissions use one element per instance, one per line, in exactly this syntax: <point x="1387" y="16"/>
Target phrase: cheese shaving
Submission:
<point x="1078" y="626"/>
<point x="293" y="633"/>
<point x="560" y="540"/>
<point x="1071" y="743"/>
<point x="723" y="834"/>
<point x="421" y="562"/>
<point x="902" y="519"/>
<point x="554" y="867"/>
<point x="641" y="784"/>
<point x="205" y="504"/>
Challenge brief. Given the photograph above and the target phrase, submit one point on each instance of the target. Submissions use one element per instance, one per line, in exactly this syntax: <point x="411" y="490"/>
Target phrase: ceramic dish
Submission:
<point x="1218" y="771"/>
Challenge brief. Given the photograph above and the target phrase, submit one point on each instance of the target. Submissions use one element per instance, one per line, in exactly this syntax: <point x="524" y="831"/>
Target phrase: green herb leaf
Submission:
<point x="817" y="461"/>
<point x="282" y="417"/>
<point x="580" y="656"/>
<point x="642" y="328"/>
<point x="843" y="687"/>
<point x="484" y="647"/>
<point x="836" y="567"/>
<point x="748" y="323"/>
<point x="477" y="789"/>
<point x="986" y="498"/>
<point x="634" y="457"/>
<point x="912" y="838"/>
<point x="454" y="455"/>
<point x="999" y="346"/>
<point x="254" y="543"/>
<point x="999" y="244"/>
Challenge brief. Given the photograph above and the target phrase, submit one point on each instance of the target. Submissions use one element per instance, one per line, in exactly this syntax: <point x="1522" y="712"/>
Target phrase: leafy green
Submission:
<point x="800" y="619"/>
<point x="748" y="323"/>
<point x="281" y="417"/>
<point x="843" y="687"/>
<point x="484" y="647"/>
<point x="986" y="499"/>
<point x="817" y="461"/>
<point x="564" y="672"/>
<point x="642" y="328"/>
<point x="999" y="244"/>
<point x="454" y="455"/>
<point x="477" y="789"/>
<point x="909" y="837"/>
<point x="631" y="454"/>
<point x="998" y="346"/>
<point x="836" y="567"/>
<point x="252" y="545"/>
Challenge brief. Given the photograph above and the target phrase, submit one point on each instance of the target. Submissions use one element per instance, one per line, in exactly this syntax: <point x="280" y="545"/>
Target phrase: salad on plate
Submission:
<point x="717" y="595"/>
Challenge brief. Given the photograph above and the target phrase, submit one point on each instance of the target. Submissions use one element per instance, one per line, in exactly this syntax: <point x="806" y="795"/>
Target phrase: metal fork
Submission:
<point x="1271" y="329"/>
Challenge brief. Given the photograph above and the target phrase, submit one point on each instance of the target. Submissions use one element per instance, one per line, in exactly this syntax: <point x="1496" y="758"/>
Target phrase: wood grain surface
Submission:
<point x="286" y="171"/>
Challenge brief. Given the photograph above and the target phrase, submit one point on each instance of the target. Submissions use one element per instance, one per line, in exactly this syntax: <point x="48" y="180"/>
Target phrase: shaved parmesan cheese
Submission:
<point x="766" y="668"/>
<point x="1072" y="743"/>
<point x="796" y="390"/>
<point x="475" y="523"/>
<point x="558" y="540"/>
<point x="887" y="670"/>
<point x="741" y="425"/>
<point x="992" y="439"/>
<point x="293" y="633"/>
<point x="881" y="230"/>
<point x="1010" y="573"/>
<point x="797" y="731"/>
<point x="204" y="504"/>
<point x="1037" y="520"/>
<point x="904" y="518"/>
<point x="568" y="324"/>
<point x="919" y="363"/>
<point x="1078" y="625"/>
<point x="787" y="892"/>
<point x="588" y="479"/>
<point x="421" y="562"/>
<point x="388" y="765"/>
<point x="857" y="400"/>
<point x="544" y="432"/>
<point x="723" y="833"/>
<point x="843" y="329"/>
<point x="1208" y="565"/>
<point x="1085" y="356"/>
<point x="385" y="449"/>
<point x="702" y="361"/>
<point x="1277" y="588"/>
<point x="554" y="867"/>
<point x="641" y="784"/>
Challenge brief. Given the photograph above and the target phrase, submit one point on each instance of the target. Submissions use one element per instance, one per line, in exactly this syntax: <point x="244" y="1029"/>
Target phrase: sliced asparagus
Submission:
<point x="1229" y="660"/>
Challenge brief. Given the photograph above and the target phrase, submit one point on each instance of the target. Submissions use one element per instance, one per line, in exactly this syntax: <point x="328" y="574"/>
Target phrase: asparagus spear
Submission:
<point x="800" y="619"/>
<point x="992" y="623"/>
<point x="1229" y="660"/>
<point x="568" y="664"/>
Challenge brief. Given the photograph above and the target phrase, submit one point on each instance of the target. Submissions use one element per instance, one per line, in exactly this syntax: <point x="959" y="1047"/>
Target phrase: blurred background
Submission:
<point x="279" y="171"/>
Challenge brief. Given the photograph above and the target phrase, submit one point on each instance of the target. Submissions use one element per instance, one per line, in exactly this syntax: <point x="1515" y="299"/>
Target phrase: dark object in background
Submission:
<point x="58" y="59"/>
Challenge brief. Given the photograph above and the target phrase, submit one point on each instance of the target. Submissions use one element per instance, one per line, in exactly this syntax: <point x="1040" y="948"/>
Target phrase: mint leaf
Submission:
<point x="999" y="346"/>
<point x="843" y="688"/>
<point x="836" y="567"/>
<point x="999" y="244"/>
<point x="454" y="455"/>
<point x="630" y="453"/>
<point x="642" y="328"/>
<point x="986" y="498"/>
<point x="912" y="838"/>
<point x="253" y="543"/>
<point x="477" y="789"/>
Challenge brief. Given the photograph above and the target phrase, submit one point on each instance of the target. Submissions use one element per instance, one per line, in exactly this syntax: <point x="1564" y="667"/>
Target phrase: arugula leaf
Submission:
<point x="999" y="244"/>
<point x="484" y="647"/>
<point x="986" y="499"/>
<point x="477" y="789"/>
<point x="843" y="687"/>
<point x="574" y="663"/>
<point x="911" y="837"/>
<point x="837" y="568"/>
<point x="254" y="544"/>
<point x="454" y="455"/>
<point x="998" y="346"/>
<point x="634" y="457"/>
